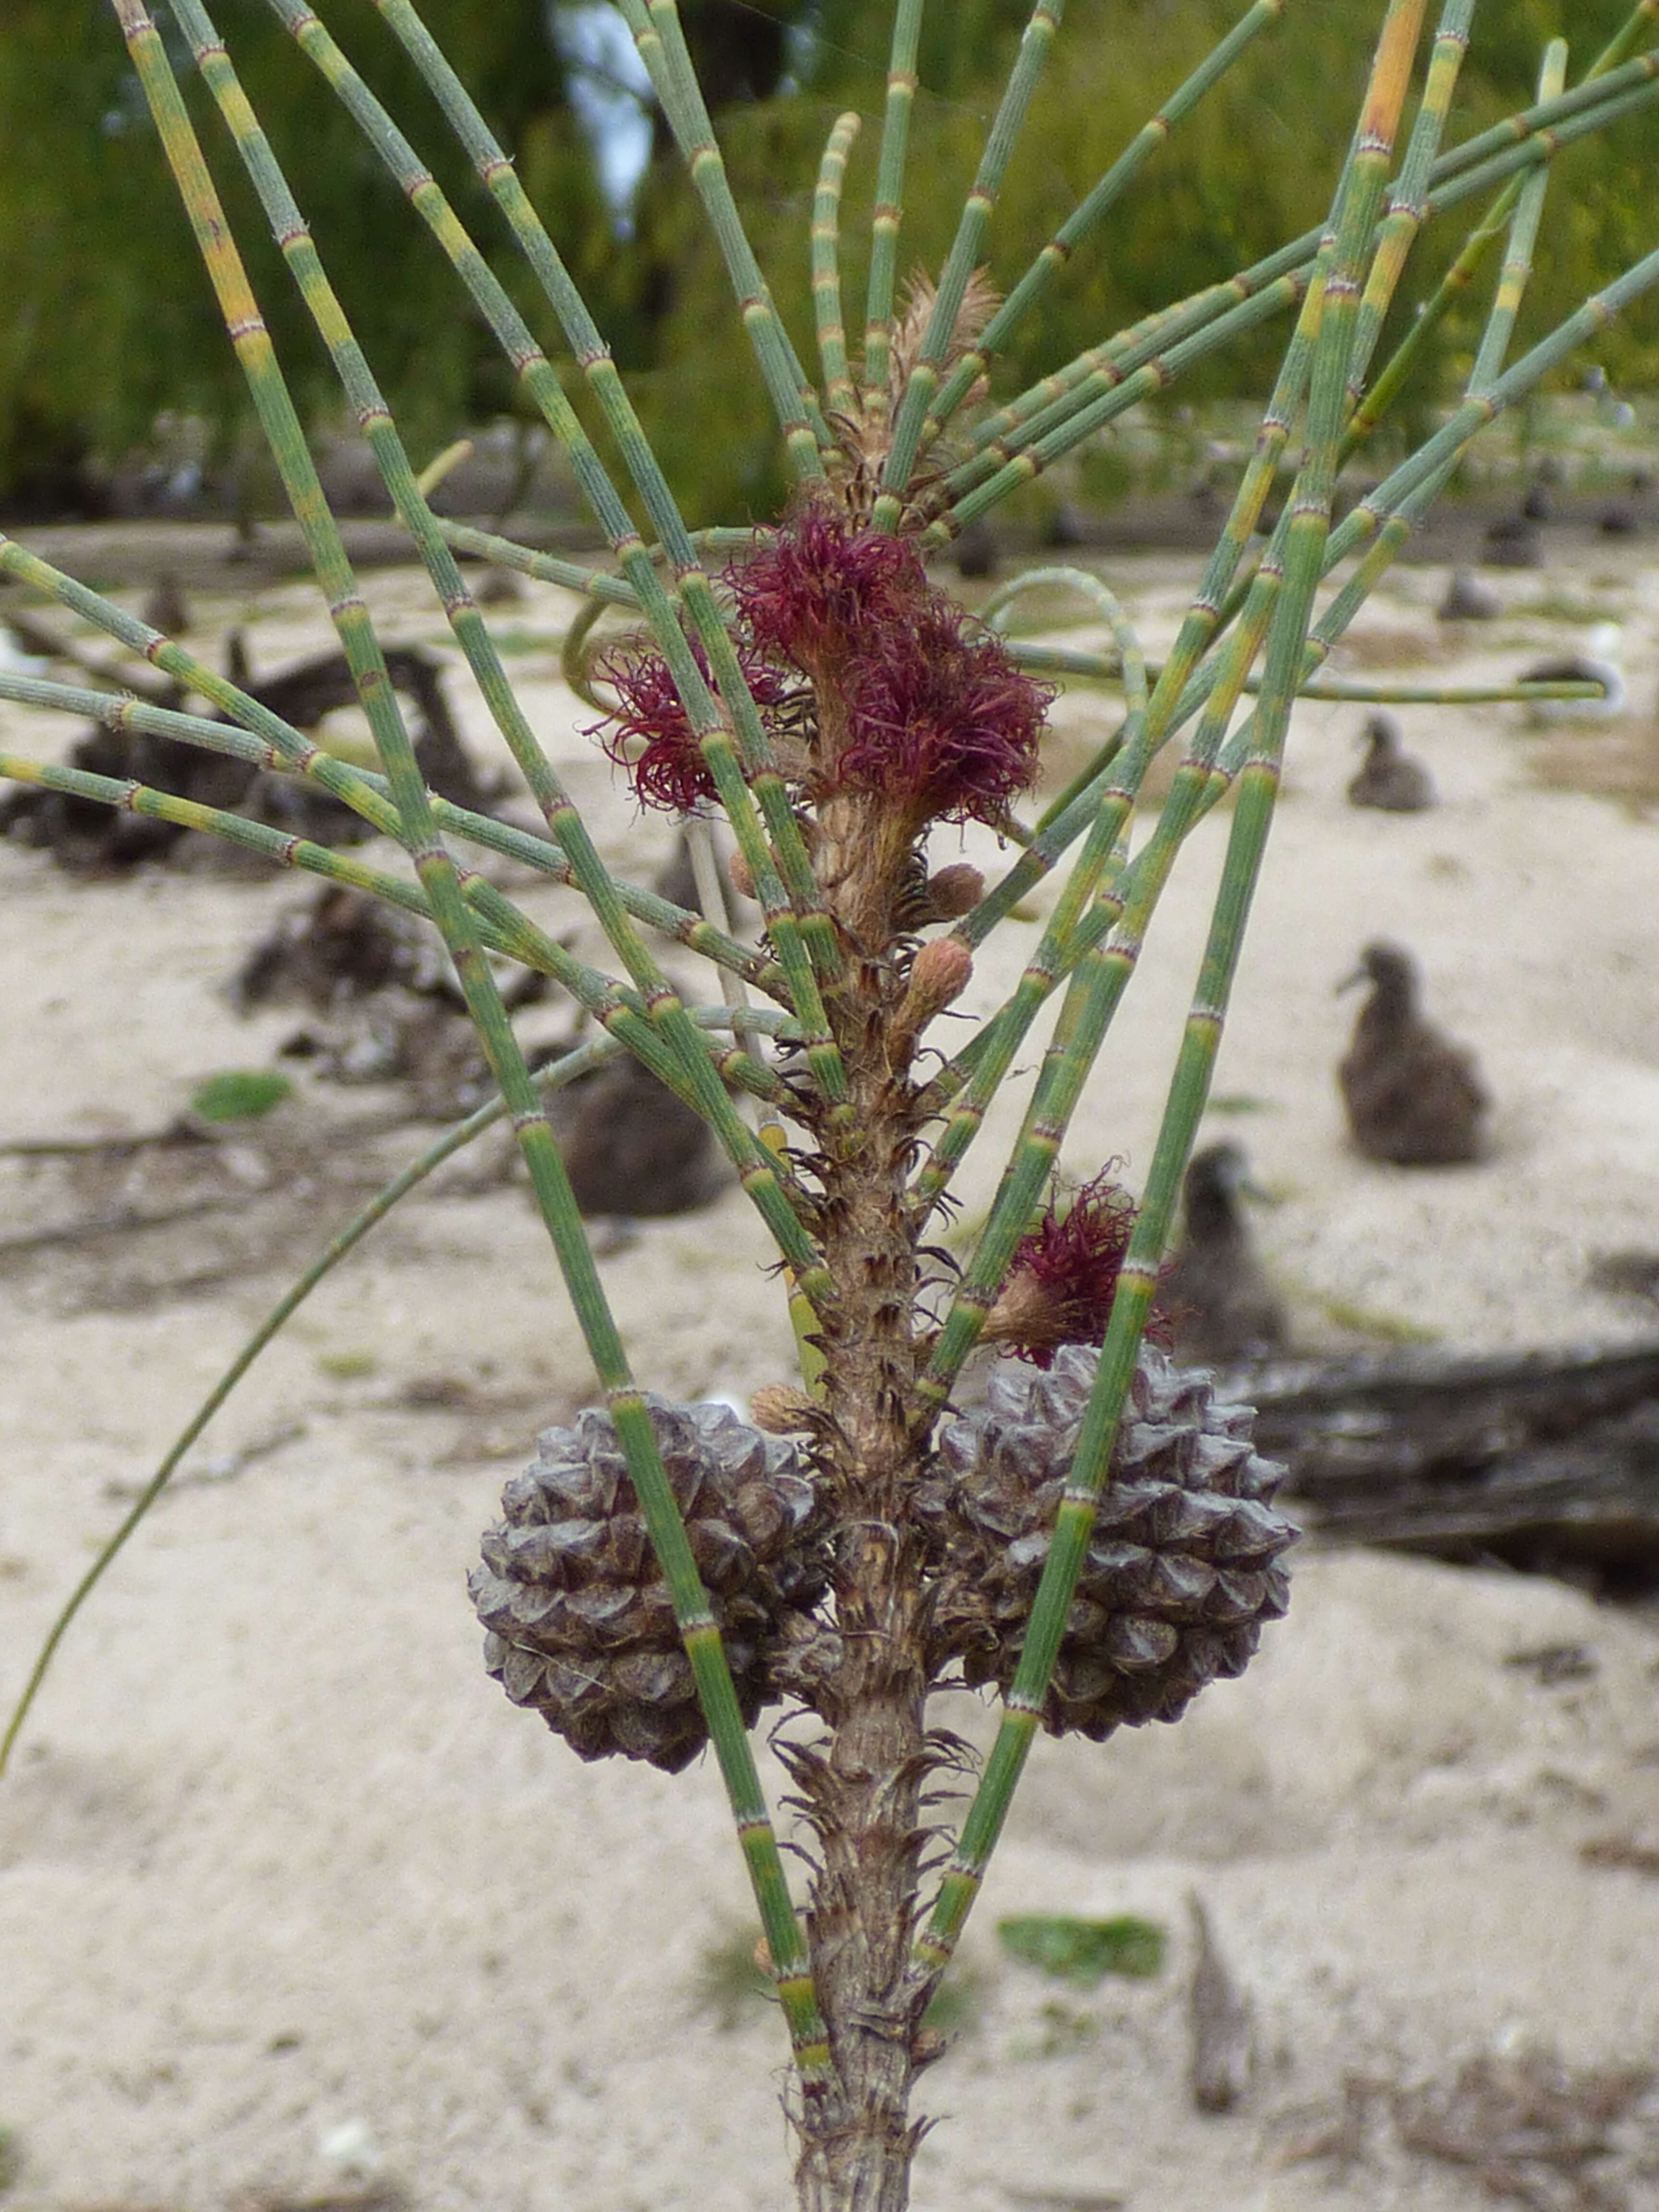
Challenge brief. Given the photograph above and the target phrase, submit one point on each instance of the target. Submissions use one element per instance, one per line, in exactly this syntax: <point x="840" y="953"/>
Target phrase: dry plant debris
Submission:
<point x="1531" y="2129"/>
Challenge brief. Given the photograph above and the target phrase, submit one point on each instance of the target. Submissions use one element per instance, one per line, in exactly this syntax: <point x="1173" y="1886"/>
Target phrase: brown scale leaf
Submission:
<point x="979" y="303"/>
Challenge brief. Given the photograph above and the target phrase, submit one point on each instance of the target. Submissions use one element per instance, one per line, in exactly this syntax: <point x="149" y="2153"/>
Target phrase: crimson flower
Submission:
<point x="1063" y="1276"/>
<point x="670" y="772"/>
<point x="820" y="589"/>
<point x="942" y="718"/>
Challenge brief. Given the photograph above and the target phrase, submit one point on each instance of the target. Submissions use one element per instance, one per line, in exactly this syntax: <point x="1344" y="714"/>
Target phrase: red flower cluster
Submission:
<point x="937" y="717"/>
<point x="819" y="590"/>
<point x="1063" y="1276"/>
<point x="671" y="772"/>
<point x="943" y="717"/>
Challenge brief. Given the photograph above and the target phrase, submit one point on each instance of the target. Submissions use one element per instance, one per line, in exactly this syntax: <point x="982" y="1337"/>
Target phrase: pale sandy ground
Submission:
<point x="291" y="1901"/>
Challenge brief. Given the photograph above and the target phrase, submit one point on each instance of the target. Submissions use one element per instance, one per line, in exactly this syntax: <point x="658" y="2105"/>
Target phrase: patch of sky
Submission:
<point x="612" y="95"/>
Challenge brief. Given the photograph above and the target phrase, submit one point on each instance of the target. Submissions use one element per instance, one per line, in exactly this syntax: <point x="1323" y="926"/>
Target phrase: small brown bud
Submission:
<point x="762" y="1955"/>
<point x="780" y="1410"/>
<point x="743" y="882"/>
<point x="1024" y="1312"/>
<point x="954" y="891"/>
<point x="939" y="973"/>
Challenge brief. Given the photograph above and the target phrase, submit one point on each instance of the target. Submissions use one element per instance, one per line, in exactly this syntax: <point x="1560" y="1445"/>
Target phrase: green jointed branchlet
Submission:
<point x="1398" y="494"/>
<point x="1065" y="660"/>
<point x="369" y="795"/>
<point x="437" y="877"/>
<point x="900" y="99"/>
<point x="840" y="396"/>
<point x="964" y="258"/>
<point x="1398" y="230"/>
<point x="685" y="1059"/>
<point x="1373" y="404"/>
<point x="1085" y="218"/>
<point x="656" y="25"/>
<point x="1041" y="425"/>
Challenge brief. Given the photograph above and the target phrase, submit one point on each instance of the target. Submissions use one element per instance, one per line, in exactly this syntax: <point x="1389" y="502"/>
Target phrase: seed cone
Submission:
<point x="582" y="1626"/>
<point x="1181" y="1569"/>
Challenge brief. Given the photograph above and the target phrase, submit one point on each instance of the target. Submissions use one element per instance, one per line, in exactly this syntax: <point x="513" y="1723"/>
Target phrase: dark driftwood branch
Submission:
<point x="1547" y="1461"/>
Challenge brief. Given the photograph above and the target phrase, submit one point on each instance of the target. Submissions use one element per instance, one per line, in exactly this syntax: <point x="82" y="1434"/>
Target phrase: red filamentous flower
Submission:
<point x="1063" y="1276"/>
<point x="671" y="772"/>
<point x="942" y="719"/>
<point x="818" y="592"/>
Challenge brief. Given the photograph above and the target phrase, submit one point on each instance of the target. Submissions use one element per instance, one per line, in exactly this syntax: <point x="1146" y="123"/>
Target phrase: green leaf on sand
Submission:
<point x="1083" y="1951"/>
<point x="240" y="1095"/>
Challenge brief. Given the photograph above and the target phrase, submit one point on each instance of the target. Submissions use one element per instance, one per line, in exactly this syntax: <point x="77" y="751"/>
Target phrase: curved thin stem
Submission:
<point x="826" y="265"/>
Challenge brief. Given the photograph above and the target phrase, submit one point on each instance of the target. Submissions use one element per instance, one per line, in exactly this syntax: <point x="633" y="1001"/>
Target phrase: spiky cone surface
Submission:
<point x="1183" y="1564"/>
<point x="581" y="1628"/>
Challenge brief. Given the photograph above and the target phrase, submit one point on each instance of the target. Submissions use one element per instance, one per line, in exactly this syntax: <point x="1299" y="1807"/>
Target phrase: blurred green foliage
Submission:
<point x="107" y="317"/>
<point x="106" y="320"/>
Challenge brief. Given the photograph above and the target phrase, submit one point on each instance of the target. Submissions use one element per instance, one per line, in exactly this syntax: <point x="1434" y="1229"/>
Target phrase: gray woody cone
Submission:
<point x="1183" y="1566"/>
<point x="581" y="1627"/>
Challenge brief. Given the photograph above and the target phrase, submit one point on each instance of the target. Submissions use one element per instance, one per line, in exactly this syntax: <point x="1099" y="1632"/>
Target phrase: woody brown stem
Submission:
<point x="863" y="1783"/>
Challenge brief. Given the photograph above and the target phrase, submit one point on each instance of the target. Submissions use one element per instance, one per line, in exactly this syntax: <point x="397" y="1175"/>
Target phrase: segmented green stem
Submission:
<point x="963" y="257"/>
<point x="295" y="751"/>
<point x="1131" y="661"/>
<point x="1621" y="44"/>
<point x="1111" y="388"/>
<point x="1604" y="85"/>
<point x="573" y="575"/>
<point x="1116" y="357"/>
<point x="1409" y="199"/>
<point x="281" y="745"/>
<point x="501" y="927"/>
<point x="988" y="476"/>
<point x="1482" y="241"/>
<point x="1086" y="216"/>
<point x="1197" y="630"/>
<point x="826" y="265"/>
<point x="1257" y="786"/>
<point x="1395" y="496"/>
<point x="757" y="1167"/>
<point x="699" y="1630"/>
<point x="369" y="794"/>
<point x="660" y="42"/>
<point x="889" y="209"/>
<point x="545" y="567"/>
<point x="1113" y="799"/>
<point x="126" y="795"/>
<point x="1068" y="660"/>
<point x="797" y="952"/>
<point x="553" y="1075"/>
<point x="679" y="548"/>
<point x="1284" y="274"/>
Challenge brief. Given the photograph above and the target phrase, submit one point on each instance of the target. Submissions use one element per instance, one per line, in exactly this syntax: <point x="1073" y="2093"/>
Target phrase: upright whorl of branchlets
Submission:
<point x="1183" y="1566"/>
<point x="581" y="1627"/>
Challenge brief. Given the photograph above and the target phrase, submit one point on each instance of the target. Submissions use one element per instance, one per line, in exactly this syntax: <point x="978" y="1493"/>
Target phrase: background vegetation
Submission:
<point x="106" y="324"/>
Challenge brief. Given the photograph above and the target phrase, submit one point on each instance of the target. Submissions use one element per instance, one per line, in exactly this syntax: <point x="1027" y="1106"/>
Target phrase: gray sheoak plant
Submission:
<point x="1099" y="1541"/>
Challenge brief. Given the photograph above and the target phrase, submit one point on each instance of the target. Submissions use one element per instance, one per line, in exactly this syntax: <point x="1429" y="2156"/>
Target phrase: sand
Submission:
<point x="294" y="1906"/>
